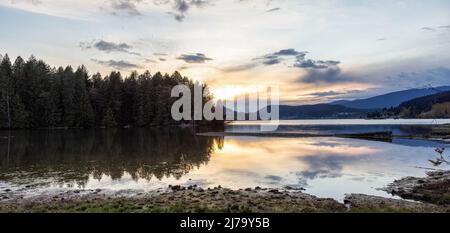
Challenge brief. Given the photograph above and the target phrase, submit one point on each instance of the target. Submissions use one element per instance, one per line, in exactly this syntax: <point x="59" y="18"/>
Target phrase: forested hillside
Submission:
<point x="34" y="95"/>
<point x="431" y="106"/>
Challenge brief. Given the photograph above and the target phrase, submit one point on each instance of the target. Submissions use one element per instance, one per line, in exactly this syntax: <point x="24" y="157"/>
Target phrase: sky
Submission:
<point x="315" y="51"/>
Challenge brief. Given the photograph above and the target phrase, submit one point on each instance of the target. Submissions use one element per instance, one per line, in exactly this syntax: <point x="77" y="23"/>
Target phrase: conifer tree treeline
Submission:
<point x="34" y="95"/>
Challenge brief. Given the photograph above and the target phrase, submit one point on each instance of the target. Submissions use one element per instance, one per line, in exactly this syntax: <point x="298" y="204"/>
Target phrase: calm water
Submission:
<point x="144" y="159"/>
<point x="398" y="127"/>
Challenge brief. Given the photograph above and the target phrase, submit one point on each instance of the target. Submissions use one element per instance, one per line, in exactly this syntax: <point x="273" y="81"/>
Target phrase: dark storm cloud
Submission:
<point x="126" y="6"/>
<point x="194" y="58"/>
<point x="120" y="65"/>
<point x="108" y="47"/>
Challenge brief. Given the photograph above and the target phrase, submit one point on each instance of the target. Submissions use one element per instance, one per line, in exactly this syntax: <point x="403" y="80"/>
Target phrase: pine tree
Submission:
<point x="130" y="103"/>
<point x="5" y="92"/>
<point x="109" y="119"/>
<point x="146" y="93"/>
<point x="98" y="98"/>
<point x="115" y="95"/>
<point x="83" y="114"/>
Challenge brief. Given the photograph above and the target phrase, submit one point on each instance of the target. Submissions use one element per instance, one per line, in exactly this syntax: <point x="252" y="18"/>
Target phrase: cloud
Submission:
<point x="149" y="60"/>
<point x="288" y="52"/>
<point x="330" y="72"/>
<point x="181" y="7"/>
<point x="316" y="71"/>
<point x="160" y="54"/>
<point x="311" y="64"/>
<point x="108" y="47"/>
<point x="273" y="179"/>
<point x="273" y="9"/>
<point x="272" y="61"/>
<point x="33" y="2"/>
<point x="436" y="76"/>
<point x="194" y="58"/>
<point x="120" y="65"/>
<point x="183" y="68"/>
<point x="328" y="75"/>
<point x="238" y="68"/>
<point x="432" y="29"/>
<point x="84" y="45"/>
<point x="332" y="93"/>
<point x="162" y="59"/>
<point x="278" y="57"/>
<point x="330" y="166"/>
<point x="428" y="29"/>
<point x="326" y="94"/>
<point x="127" y="6"/>
<point x="267" y="2"/>
<point x="381" y="39"/>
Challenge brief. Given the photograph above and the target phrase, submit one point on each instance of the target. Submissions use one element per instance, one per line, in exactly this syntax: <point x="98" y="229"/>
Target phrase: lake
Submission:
<point x="39" y="161"/>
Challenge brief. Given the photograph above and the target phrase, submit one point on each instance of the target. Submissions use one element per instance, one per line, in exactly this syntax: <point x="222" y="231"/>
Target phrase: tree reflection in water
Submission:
<point x="73" y="155"/>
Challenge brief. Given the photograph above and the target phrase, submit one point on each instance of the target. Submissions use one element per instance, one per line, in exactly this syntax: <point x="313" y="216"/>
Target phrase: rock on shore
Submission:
<point x="435" y="188"/>
<point x="367" y="203"/>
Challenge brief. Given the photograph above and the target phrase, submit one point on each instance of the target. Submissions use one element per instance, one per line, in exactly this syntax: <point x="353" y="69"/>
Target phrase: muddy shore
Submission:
<point x="430" y="194"/>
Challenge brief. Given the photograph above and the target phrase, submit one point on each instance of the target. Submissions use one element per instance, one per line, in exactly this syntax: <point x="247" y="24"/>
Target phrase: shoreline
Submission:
<point x="429" y="194"/>
<point x="385" y="136"/>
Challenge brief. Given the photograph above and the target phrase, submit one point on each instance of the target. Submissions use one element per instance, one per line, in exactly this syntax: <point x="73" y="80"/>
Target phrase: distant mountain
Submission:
<point x="319" y="111"/>
<point x="362" y="108"/>
<point x="389" y="100"/>
<point x="430" y="106"/>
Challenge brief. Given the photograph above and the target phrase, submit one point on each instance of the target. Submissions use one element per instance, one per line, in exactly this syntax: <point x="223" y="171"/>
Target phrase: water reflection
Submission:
<point x="327" y="167"/>
<point x="399" y="129"/>
<point x="76" y="155"/>
<point x="149" y="159"/>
